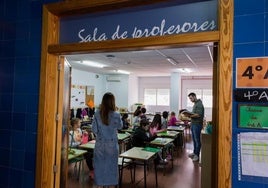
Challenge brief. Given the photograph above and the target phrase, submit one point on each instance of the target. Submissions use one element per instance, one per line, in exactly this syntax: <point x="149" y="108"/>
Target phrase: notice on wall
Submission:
<point x="252" y="72"/>
<point x="253" y="154"/>
<point x="253" y="116"/>
<point x="78" y="96"/>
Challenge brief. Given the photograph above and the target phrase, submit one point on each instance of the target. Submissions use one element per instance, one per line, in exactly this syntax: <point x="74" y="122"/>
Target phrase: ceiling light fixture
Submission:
<point x="210" y="54"/>
<point x="122" y="72"/>
<point x="192" y="61"/>
<point x="93" y="64"/>
<point x="169" y="59"/>
<point x="172" y="61"/>
<point x="185" y="70"/>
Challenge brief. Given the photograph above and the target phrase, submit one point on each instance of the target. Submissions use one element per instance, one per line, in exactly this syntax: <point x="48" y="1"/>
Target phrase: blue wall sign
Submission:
<point x="187" y="18"/>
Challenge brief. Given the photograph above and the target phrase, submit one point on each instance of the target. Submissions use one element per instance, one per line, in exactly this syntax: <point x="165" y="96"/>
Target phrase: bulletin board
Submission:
<point x="82" y="96"/>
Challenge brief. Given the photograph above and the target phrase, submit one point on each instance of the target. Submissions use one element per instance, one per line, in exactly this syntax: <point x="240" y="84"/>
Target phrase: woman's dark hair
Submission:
<point x="137" y="111"/>
<point x="143" y="110"/>
<point x="125" y="116"/>
<point x="143" y="122"/>
<point x="156" y="120"/>
<point x="165" y="114"/>
<point x="107" y="105"/>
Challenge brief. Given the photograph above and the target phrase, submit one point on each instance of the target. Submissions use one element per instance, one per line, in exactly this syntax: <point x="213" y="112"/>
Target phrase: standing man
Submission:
<point x="197" y="117"/>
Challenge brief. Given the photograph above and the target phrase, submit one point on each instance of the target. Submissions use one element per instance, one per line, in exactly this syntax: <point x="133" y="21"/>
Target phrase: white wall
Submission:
<point x="175" y="91"/>
<point x="133" y="92"/>
<point x="119" y="89"/>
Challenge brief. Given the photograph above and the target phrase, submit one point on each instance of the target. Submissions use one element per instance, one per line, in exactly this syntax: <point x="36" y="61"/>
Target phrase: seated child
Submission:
<point x="75" y="139"/>
<point x="156" y="126"/>
<point x="143" y="115"/>
<point x="172" y="119"/>
<point x="164" y="120"/>
<point x="136" y="119"/>
<point x="141" y="136"/>
<point x="125" y="121"/>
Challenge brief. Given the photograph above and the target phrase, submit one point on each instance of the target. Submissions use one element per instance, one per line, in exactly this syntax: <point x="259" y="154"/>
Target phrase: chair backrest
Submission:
<point x="128" y="143"/>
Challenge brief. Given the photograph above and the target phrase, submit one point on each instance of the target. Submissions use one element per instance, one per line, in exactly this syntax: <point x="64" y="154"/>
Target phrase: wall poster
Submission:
<point x="253" y="157"/>
<point x="82" y="96"/>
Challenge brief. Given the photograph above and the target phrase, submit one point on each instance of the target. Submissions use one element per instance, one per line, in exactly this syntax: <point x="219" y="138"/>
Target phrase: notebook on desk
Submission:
<point x="150" y="149"/>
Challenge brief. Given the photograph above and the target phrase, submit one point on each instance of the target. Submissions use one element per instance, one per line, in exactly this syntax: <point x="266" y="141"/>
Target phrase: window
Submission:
<point x="204" y="94"/>
<point x="158" y="97"/>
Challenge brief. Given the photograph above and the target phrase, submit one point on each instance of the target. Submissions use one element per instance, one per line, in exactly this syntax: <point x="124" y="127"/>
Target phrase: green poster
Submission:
<point x="253" y="116"/>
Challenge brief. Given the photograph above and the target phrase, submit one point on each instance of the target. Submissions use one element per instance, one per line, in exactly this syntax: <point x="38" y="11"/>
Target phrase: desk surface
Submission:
<point x="139" y="153"/>
<point x="161" y="141"/>
<point x="122" y="136"/>
<point x="176" y="128"/>
<point x="171" y="134"/>
<point x="128" y="130"/>
<point x="90" y="145"/>
<point x="75" y="153"/>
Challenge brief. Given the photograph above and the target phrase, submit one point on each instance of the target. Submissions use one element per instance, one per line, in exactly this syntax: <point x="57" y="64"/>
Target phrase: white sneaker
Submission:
<point x="195" y="158"/>
<point x="163" y="161"/>
<point x="191" y="155"/>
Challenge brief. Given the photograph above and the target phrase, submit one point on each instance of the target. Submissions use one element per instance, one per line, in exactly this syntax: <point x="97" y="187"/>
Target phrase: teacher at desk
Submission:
<point x="197" y="117"/>
<point x="105" y="124"/>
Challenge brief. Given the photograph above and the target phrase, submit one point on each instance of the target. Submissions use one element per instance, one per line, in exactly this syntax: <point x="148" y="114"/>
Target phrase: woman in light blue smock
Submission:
<point x="105" y="124"/>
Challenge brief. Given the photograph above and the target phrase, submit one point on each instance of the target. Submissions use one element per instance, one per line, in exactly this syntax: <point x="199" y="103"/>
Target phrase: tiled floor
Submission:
<point x="185" y="174"/>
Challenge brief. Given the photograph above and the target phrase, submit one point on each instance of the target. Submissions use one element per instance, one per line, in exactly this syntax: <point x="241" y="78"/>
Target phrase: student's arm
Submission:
<point x="151" y="138"/>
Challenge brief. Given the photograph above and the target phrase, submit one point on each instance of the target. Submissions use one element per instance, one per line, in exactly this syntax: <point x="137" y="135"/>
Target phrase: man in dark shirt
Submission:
<point x="197" y="117"/>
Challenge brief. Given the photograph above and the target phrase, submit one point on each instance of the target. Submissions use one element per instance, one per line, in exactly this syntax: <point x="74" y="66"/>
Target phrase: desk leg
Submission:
<point x="121" y="173"/>
<point x="155" y="171"/>
<point x="145" y="184"/>
<point x="120" y="147"/>
<point x="81" y="176"/>
<point x="184" y="139"/>
<point x="172" y="155"/>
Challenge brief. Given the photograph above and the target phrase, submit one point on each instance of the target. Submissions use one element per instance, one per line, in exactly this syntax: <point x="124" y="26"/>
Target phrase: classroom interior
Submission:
<point x="150" y="74"/>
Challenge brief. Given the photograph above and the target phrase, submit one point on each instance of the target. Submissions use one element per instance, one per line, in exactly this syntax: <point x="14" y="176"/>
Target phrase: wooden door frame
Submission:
<point x="47" y="175"/>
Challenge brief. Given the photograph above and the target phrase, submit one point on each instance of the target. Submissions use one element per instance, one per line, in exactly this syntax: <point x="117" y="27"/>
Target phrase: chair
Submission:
<point x="127" y="164"/>
<point x="127" y="143"/>
<point x="164" y="164"/>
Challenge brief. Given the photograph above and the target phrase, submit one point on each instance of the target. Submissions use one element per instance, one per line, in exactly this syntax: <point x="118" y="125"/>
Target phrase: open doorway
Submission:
<point x="198" y="59"/>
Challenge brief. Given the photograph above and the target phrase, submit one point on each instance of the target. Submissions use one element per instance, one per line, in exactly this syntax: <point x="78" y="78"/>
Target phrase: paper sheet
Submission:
<point x="254" y="153"/>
